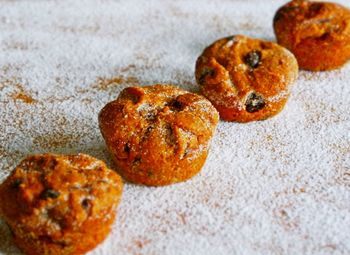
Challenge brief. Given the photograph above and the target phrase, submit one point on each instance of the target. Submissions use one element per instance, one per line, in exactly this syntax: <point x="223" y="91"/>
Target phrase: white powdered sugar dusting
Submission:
<point x="280" y="186"/>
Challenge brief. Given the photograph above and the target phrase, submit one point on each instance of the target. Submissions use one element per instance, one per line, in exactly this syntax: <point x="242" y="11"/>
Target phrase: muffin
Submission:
<point x="246" y="79"/>
<point x="158" y="135"/>
<point x="60" y="204"/>
<point x="318" y="33"/>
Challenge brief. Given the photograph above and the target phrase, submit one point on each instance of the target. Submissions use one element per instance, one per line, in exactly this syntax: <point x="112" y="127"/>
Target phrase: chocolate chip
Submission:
<point x="148" y="111"/>
<point x="148" y="130"/>
<point x="316" y="7"/>
<point x="51" y="240"/>
<point x="127" y="148"/>
<point x="16" y="183"/>
<point x="137" y="161"/>
<point x="169" y="135"/>
<point x="314" y="10"/>
<point x="254" y="103"/>
<point x="253" y="59"/>
<point x="206" y="71"/>
<point x="187" y="151"/>
<point x="61" y="243"/>
<point x="151" y="116"/>
<point x="325" y="36"/>
<point x="50" y="193"/>
<point x="41" y="161"/>
<point x="176" y="105"/>
<point x="86" y="204"/>
<point x="53" y="163"/>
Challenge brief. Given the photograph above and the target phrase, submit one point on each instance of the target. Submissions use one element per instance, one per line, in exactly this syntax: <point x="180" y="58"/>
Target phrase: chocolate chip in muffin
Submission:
<point x="169" y="134"/>
<point x="137" y="161"/>
<point x="151" y="116"/>
<point x="176" y="105"/>
<point x="127" y="148"/>
<point x="86" y="204"/>
<point x="206" y="71"/>
<point x="52" y="163"/>
<point x="253" y="59"/>
<point x="254" y="103"/>
<point x="148" y="131"/>
<point x="315" y="8"/>
<point x="16" y="183"/>
<point x="50" y="193"/>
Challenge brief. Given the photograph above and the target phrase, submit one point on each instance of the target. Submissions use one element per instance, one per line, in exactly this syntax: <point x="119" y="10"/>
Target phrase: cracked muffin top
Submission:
<point x="60" y="204"/>
<point x="246" y="79"/>
<point x="158" y="134"/>
<point x="318" y="33"/>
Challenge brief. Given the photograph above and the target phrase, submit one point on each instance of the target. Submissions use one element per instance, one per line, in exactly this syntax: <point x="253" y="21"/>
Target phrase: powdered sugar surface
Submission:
<point x="280" y="186"/>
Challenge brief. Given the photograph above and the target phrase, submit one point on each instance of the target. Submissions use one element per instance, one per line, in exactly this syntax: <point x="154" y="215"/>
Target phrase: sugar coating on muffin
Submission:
<point x="60" y="204"/>
<point x="159" y="134"/>
<point x="318" y="33"/>
<point x="246" y="79"/>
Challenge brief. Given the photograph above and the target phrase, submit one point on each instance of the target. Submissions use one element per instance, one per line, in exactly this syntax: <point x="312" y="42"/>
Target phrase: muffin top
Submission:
<point x="53" y="196"/>
<point x="158" y="134"/>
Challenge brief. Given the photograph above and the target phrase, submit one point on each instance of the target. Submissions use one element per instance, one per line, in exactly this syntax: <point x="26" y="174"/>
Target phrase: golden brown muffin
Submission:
<point x="159" y="134"/>
<point x="58" y="204"/>
<point x="318" y="33"/>
<point x="246" y="79"/>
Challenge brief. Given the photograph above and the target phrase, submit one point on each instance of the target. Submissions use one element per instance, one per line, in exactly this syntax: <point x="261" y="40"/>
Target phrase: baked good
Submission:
<point x="158" y="135"/>
<point x="246" y="79"/>
<point x="318" y="33"/>
<point x="60" y="204"/>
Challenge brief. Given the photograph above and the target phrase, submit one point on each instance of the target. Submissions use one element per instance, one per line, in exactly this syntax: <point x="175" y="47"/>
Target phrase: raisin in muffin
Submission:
<point x="246" y="79"/>
<point x="60" y="204"/>
<point x="158" y="135"/>
<point x="318" y="33"/>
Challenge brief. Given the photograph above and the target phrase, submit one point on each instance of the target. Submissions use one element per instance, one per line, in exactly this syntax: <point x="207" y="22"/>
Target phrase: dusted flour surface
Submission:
<point x="281" y="186"/>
